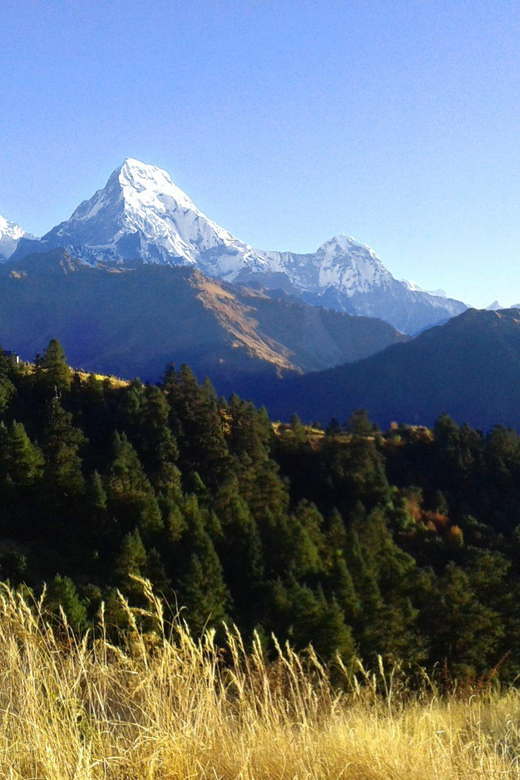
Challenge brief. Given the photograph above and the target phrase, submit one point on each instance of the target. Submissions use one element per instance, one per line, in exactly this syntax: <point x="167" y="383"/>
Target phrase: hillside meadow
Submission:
<point x="162" y="704"/>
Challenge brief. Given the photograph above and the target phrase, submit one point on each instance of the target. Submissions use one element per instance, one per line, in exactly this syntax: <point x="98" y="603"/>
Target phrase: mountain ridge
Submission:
<point x="468" y="368"/>
<point x="133" y="319"/>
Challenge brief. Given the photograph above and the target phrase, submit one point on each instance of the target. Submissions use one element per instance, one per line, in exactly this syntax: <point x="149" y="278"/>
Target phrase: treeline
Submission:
<point x="405" y="544"/>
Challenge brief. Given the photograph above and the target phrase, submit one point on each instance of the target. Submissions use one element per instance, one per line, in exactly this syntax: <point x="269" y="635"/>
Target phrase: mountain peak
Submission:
<point x="134" y="175"/>
<point x="344" y="242"/>
<point x="351" y="266"/>
<point x="10" y="234"/>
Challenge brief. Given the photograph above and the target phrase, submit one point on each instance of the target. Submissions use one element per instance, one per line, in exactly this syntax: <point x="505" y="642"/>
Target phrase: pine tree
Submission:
<point x="53" y="373"/>
<point x="62" y="594"/>
<point x="201" y="589"/>
<point x="61" y="445"/>
<point x="198" y="427"/>
<point x="131" y="562"/>
<point x="240" y="550"/>
<point x="463" y="632"/>
<point x="303" y="615"/>
<point x="359" y="425"/>
<point x="299" y="434"/>
<point x="21" y="461"/>
<point x="7" y="388"/>
<point x="306" y="552"/>
<point x="130" y="495"/>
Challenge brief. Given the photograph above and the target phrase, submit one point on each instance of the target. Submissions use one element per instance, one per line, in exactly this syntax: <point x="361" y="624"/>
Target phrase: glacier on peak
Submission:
<point x="10" y="235"/>
<point x="141" y="214"/>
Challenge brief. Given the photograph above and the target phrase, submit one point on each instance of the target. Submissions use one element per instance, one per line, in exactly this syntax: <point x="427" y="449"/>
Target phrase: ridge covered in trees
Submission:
<point x="405" y="544"/>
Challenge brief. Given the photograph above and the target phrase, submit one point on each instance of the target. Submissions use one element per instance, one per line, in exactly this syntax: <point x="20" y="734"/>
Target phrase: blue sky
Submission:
<point x="286" y="121"/>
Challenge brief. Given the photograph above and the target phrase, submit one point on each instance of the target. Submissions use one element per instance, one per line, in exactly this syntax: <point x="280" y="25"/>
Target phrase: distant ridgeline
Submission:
<point x="405" y="544"/>
<point x="468" y="368"/>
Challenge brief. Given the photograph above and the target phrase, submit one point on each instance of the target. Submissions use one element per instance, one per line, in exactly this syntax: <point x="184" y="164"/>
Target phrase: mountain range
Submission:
<point x="139" y="277"/>
<point x="142" y="215"/>
<point x="133" y="319"/>
<point x="468" y="368"/>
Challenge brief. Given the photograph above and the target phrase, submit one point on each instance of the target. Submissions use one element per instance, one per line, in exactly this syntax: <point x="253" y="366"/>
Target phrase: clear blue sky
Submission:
<point x="396" y="122"/>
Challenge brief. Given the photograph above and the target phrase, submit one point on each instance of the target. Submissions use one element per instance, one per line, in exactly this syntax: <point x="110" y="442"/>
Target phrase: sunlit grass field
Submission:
<point x="162" y="705"/>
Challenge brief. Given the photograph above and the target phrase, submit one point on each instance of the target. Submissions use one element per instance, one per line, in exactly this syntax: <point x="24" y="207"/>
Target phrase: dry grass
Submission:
<point x="166" y="707"/>
<point x="115" y="381"/>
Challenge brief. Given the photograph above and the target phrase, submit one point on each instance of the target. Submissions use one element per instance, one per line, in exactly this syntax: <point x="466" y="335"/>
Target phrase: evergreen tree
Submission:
<point x="21" y="461"/>
<point x="463" y="632"/>
<point x="61" y="445"/>
<point x="299" y="434"/>
<point x="53" y="373"/>
<point x="7" y="388"/>
<point x="198" y="427"/>
<point x="131" y="562"/>
<point x="202" y="589"/>
<point x="299" y="612"/>
<point x="359" y="425"/>
<point x="240" y="551"/>
<point x="62" y="594"/>
<point x="130" y="495"/>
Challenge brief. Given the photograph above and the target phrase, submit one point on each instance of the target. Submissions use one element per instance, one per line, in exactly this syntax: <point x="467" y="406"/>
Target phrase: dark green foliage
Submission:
<point x="359" y="425"/>
<point x="53" y="374"/>
<point x="21" y="462"/>
<point x="130" y="495"/>
<point x="130" y="563"/>
<point x="404" y="544"/>
<point x="61" y="445"/>
<point x="7" y="389"/>
<point x="62" y="594"/>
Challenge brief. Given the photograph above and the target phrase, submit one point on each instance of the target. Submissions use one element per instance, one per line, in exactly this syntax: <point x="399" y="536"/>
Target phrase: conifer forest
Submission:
<point x="404" y="543"/>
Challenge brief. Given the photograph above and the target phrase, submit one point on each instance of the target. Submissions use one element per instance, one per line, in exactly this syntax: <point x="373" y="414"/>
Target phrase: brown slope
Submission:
<point x="133" y="320"/>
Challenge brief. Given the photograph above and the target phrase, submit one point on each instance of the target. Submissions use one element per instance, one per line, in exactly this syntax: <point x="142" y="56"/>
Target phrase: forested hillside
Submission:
<point x="405" y="544"/>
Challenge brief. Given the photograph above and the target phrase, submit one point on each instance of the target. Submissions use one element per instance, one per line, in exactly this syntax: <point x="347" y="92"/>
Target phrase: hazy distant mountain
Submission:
<point x="414" y="286"/>
<point x="132" y="320"/>
<point x="468" y="368"/>
<point x="142" y="214"/>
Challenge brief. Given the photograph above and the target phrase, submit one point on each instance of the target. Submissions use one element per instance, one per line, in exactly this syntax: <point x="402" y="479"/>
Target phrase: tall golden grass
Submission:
<point x="163" y="705"/>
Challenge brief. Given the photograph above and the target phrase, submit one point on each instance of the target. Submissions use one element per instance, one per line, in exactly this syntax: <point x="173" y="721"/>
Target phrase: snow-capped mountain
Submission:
<point x="340" y="263"/>
<point x="346" y="275"/>
<point x="142" y="214"/>
<point x="10" y="235"/>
